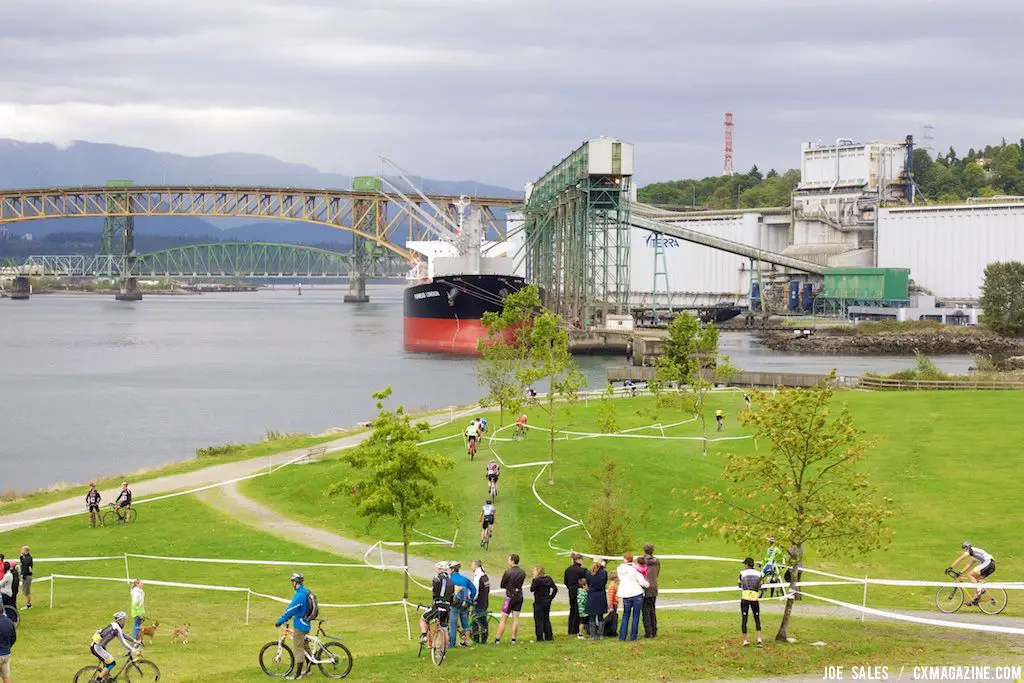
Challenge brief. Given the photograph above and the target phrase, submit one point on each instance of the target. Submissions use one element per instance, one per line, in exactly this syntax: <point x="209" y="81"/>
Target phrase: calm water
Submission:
<point x="93" y="386"/>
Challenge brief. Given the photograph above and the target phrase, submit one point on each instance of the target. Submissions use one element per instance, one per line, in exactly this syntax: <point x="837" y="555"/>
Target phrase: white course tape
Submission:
<point x="276" y="563"/>
<point x="329" y="604"/>
<point x="77" y="559"/>
<point x="919" y="620"/>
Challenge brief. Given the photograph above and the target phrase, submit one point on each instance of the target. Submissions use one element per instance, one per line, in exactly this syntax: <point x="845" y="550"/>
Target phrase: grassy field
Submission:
<point x="948" y="459"/>
<point x="15" y="502"/>
<point x="224" y="648"/>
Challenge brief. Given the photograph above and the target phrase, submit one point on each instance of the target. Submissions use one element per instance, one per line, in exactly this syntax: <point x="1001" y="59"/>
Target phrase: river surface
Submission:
<point x="92" y="386"/>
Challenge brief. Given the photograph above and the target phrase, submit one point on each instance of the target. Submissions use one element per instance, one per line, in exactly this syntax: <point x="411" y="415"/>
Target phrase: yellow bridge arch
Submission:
<point x="368" y="214"/>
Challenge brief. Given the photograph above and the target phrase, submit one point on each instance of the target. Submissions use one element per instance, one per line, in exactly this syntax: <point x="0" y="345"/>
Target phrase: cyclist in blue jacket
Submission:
<point x="296" y="611"/>
<point x="463" y="596"/>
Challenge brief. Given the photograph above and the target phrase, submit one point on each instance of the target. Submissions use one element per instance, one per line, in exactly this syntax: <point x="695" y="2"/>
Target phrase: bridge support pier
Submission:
<point x="129" y="290"/>
<point x="357" y="290"/>
<point x="21" y="288"/>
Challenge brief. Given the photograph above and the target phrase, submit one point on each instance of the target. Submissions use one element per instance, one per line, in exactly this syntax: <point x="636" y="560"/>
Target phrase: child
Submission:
<point x="581" y="607"/>
<point x="641" y="566"/>
<point x="611" y="620"/>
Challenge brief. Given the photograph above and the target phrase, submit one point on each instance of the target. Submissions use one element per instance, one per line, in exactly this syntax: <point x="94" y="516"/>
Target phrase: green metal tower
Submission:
<point x="114" y="225"/>
<point x="577" y="232"/>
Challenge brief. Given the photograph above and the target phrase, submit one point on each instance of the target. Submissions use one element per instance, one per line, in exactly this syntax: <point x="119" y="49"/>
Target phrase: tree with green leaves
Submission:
<point x="690" y="362"/>
<point x="396" y="478"/>
<point x="609" y="519"/>
<point x="1002" y="298"/>
<point x="550" y="360"/>
<point x="812" y="489"/>
<point x="505" y="350"/>
<point x="607" y="415"/>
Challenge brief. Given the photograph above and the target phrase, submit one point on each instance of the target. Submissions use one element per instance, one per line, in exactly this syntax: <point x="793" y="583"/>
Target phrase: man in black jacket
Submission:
<point x="26" y="575"/>
<point x="482" y="582"/>
<point x="571" y="580"/>
<point x="8" y="634"/>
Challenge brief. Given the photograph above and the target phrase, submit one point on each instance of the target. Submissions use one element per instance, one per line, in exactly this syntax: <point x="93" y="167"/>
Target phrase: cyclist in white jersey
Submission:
<point x="486" y="519"/>
<point x="985" y="566"/>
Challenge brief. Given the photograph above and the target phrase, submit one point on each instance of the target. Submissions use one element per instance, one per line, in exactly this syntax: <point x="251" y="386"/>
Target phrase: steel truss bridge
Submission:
<point x="221" y="260"/>
<point x="371" y="216"/>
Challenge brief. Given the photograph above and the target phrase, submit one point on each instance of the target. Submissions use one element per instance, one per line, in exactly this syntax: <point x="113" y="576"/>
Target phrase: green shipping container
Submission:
<point x="119" y="183"/>
<point x="366" y="183"/>
<point x="891" y="284"/>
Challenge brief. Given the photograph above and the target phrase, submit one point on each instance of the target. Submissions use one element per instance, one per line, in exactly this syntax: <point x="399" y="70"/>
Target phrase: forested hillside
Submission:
<point x="992" y="171"/>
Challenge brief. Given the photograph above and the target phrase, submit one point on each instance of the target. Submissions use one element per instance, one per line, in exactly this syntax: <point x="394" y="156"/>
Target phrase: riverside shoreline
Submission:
<point x="938" y="342"/>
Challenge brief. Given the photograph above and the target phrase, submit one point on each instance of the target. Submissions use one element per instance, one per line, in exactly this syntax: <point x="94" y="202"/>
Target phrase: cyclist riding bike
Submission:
<point x="443" y="590"/>
<point x="493" y="472"/>
<point x="985" y="567"/>
<point x="124" y="499"/>
<point x="486" y="519"/>
<point x="483" y="425"/>
<point x="770" y="564"/>
<point x="102" y="638"/>
<point x="472" y="432"/>
<point x="521" y="427"/>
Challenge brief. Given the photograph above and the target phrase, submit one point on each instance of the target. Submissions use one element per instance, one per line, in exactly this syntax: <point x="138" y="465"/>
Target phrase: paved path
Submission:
<point x="206" y="476"/>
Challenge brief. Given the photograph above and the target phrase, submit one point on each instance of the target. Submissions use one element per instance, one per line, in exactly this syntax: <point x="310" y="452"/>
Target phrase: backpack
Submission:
<point x="312" y="606"/>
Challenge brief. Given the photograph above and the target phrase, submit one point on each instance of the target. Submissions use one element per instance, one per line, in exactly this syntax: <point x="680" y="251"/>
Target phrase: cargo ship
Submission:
<point x="456" y="282"/>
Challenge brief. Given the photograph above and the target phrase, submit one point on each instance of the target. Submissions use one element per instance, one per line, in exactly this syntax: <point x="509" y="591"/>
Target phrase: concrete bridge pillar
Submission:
<point x="356" y="290"/>
<point x="129" y="290"/>
<point x="21" y="288"/>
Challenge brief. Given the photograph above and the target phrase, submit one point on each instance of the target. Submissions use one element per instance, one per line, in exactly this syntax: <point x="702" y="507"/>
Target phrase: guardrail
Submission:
<point x="883" y="383"/>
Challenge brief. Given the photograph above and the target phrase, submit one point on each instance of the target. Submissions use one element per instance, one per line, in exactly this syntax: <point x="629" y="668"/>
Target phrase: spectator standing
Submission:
<point x="12" y="569"/>
<point x="512" y="581"/>
<point x="462" y="600"/>
<point x="138" y="607"/>
<point x="571" y="581"/>
<point x="581" y="607"/>
<point x="544" y="591"/>
<point x="631" y="592"/>
<point x="26" y="575"/>
<point x="482" y="582"/>
<point x="6" y="578"/>
<point x="597" y="598"/>
<point x="648" y="613"/>
<point x="92" y="503"/>
<point x="750" y="592"/>
<point x="8" y="635"/>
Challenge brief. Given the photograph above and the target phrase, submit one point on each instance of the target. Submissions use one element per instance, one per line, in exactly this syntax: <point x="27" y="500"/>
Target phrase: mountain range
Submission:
<point x="29" y="164"/>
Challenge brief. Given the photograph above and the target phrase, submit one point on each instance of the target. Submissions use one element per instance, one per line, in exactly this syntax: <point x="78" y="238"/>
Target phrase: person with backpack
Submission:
<point x="463" y="596"/>
<point x="300" y="610"/>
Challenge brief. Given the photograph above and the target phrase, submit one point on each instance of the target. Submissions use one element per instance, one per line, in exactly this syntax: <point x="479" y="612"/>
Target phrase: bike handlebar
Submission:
<point x="952" y="573"/>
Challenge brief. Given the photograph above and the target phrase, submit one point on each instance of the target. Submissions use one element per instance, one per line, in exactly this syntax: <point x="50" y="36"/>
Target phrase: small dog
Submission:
<point x="181" y="632"/>
<point x="148" y="631"/>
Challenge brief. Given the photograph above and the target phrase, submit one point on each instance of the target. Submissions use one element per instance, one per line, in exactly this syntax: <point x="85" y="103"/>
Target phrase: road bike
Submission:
<point x="951" y="599"/>
<point x="133" y="667"/>
<point x="492" y="488"/>
<point x="437" y="639"/>
<point x="471" y="448"/>
<point x="334" y="659"/>
<point x="480" y="627"/>
<point x="114" y="516"/>
<point x="485" y="542"/>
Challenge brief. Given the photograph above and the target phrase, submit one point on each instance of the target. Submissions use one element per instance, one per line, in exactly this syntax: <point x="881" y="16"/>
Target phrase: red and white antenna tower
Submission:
<point x="727" y="169"/>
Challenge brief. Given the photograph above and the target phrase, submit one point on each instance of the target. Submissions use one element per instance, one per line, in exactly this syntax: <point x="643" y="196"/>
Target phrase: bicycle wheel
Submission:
<point x="949" y="600"/>
<point x="340" y="663"/>
<point x="142" y="670"/>
<point x="130" y="515"/>
<point x="109" y="517"/>
<point x="88" y="674"/>
<point x="12" y="614"/>
<point x="274" y="662"/>
<point x="993" y="601"/>
<point x="439" y="648"/>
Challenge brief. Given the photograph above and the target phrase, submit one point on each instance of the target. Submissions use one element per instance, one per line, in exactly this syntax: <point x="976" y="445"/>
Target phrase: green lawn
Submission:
<point x="14" y="502"/>
<point x="948" y="459"/>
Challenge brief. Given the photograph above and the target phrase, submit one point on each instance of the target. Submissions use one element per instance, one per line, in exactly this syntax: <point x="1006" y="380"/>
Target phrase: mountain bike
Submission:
<point x="951" y="599"/>
<point x="114" y="516"/>
<point x="471" y="448"/>
<point x="771" y="582"/>
<point x="492" y="487"/>
<point x="334" y="659"/>
<point x="480" y="627"/>
<point x="133" y="667"/>
<point x="437" y="639"/>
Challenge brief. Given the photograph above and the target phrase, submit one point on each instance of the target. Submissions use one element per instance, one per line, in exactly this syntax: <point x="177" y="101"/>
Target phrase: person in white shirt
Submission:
<point x="138" y="607"/>
<point x="631" y="591"/>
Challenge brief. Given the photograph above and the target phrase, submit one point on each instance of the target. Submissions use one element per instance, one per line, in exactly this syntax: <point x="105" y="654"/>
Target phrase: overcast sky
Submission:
<point x="500" y="90"/>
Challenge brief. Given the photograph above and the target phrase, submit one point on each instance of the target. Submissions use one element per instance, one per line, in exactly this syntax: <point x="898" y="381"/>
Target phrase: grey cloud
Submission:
<point x="500" y="90"/>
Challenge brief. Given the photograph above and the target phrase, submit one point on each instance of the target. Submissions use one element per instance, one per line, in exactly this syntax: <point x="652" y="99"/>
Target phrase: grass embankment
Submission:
<point x="12" y="501"/>
<point x="52" y="643"/>
<point x="949" y="461"/>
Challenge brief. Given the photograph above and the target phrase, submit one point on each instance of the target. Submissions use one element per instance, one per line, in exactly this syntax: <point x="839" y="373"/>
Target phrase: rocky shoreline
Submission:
<point x="951" y="341"/>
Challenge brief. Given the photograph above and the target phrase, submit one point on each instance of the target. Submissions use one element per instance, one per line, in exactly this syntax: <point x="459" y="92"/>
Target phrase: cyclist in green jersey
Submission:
<point x="771" y="561"/>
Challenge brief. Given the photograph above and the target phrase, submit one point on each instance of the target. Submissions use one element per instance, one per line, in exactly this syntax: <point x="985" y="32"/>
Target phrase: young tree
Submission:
<point x="607" y="416"/>
<point x="809" y="490"/>
<point x="549" y="359"/>
<point x="506" y="349"/>
<point x="396" y="478"/>
<point x="1002" y="298"/>
<point x="691" y="362"/>
<point x="609" y="519"/>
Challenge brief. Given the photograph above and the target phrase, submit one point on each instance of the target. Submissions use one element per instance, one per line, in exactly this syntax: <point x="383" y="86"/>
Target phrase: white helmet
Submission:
<point x="120" y="616"/>
<point x="443" y="566"/>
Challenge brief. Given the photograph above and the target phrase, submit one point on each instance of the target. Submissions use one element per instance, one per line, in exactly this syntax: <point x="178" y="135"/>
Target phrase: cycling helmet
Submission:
<point x="297" y="577"/>
<point x="455" y="564"/>
<point x="488" y="502"/>
<point x="120" y="616"/>
<point x="771" y="539"/>
<point x="965" y="545"/>
<point x="443" y="566"/>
